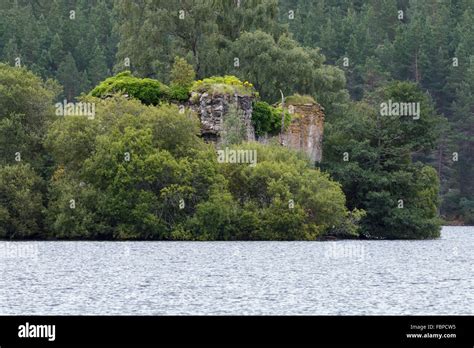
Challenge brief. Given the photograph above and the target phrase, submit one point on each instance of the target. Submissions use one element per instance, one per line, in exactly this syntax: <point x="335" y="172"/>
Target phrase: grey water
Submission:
<point x="350" y="277"/>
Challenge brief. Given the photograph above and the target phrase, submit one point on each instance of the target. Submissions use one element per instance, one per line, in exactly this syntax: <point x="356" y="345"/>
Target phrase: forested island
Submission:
<point x="108" y="123"/>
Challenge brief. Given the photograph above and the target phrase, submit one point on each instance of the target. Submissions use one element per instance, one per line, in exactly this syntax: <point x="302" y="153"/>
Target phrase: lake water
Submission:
<point x="314" y="278"/>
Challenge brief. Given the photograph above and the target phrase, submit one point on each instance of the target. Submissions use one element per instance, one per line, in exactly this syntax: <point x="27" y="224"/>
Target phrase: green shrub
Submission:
<point x="182" y="73"/>
<point x="267" y="119"/>
<point x="182" y="78"/>
<point x="276" y="120"/>
<point x="280" y="198"/>
<point x="21" y="202"/>
<point x="82" y="220"/>
<point x="137" y="198"/>
<point x="178" y="93"/>
<point x="148" y="91"/>
<point x="262" y="117"/>
<point x="223" y="85"/>
<point x="283" y="195"/>
<point x="26" y="108"/>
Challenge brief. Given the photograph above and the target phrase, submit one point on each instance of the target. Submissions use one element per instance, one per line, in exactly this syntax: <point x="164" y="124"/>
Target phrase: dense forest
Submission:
<point x="380" y="177"/>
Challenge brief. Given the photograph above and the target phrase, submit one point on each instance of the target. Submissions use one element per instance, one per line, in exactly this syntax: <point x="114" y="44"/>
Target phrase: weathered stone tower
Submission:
<point x="305" y="133"/>
<point x="212" y="109"/>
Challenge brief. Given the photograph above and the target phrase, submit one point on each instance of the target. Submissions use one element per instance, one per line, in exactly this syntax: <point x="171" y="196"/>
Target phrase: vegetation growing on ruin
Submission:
<point x="148" y="91"/>
<point x="297" y="98"/>
<point x="223" y="85"/>
<point x="267" y="119"/>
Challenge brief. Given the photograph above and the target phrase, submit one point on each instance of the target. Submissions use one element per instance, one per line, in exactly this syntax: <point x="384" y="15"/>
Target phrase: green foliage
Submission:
<point x="267" y="119"/>
<point x="417" y="187"/>
<point x="20" y="202"/>
<point x="223" y="85"/>
<point x="25" y="110"/>
<point x="350" y="227"/>
<point x="220" y="218"/>
<point x="460" y="179"/>
<point x="71" y="140"/>
<point x="182" y="73"/>
<point x="182" y="78"/>
<point x="458" y="208"/>
<point x="79" y="53"/>
<point x="148" y="91"/>
<point x="178" y="93"/>
<point x="152" y="33"/>
<point x="69" y="77"/>
<point x="262" y="117"/>
<point x="404" y="131"/>
<point x="143" y="161"/>
<point x="282" y="64"/>
<point x="74" y="208"/>
<point x="287" y="198"/>
<point x="370" y="155"/>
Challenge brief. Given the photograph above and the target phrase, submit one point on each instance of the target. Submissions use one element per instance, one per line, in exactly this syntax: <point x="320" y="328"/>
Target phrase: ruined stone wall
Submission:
<point x="212" y="110"/>
<point x="305" y="133"/>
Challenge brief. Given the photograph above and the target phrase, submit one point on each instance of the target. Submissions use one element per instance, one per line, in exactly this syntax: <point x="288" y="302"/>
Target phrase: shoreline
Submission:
<point x="322" y="239"/>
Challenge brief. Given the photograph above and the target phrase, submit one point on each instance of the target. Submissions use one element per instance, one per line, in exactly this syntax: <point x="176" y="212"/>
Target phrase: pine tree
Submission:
<point x="97" y="67"/>
<point x="69" y="77"/>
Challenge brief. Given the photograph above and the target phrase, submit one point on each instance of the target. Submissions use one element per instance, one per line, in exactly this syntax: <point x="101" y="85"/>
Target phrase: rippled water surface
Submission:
<point x="153" y="278"/>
